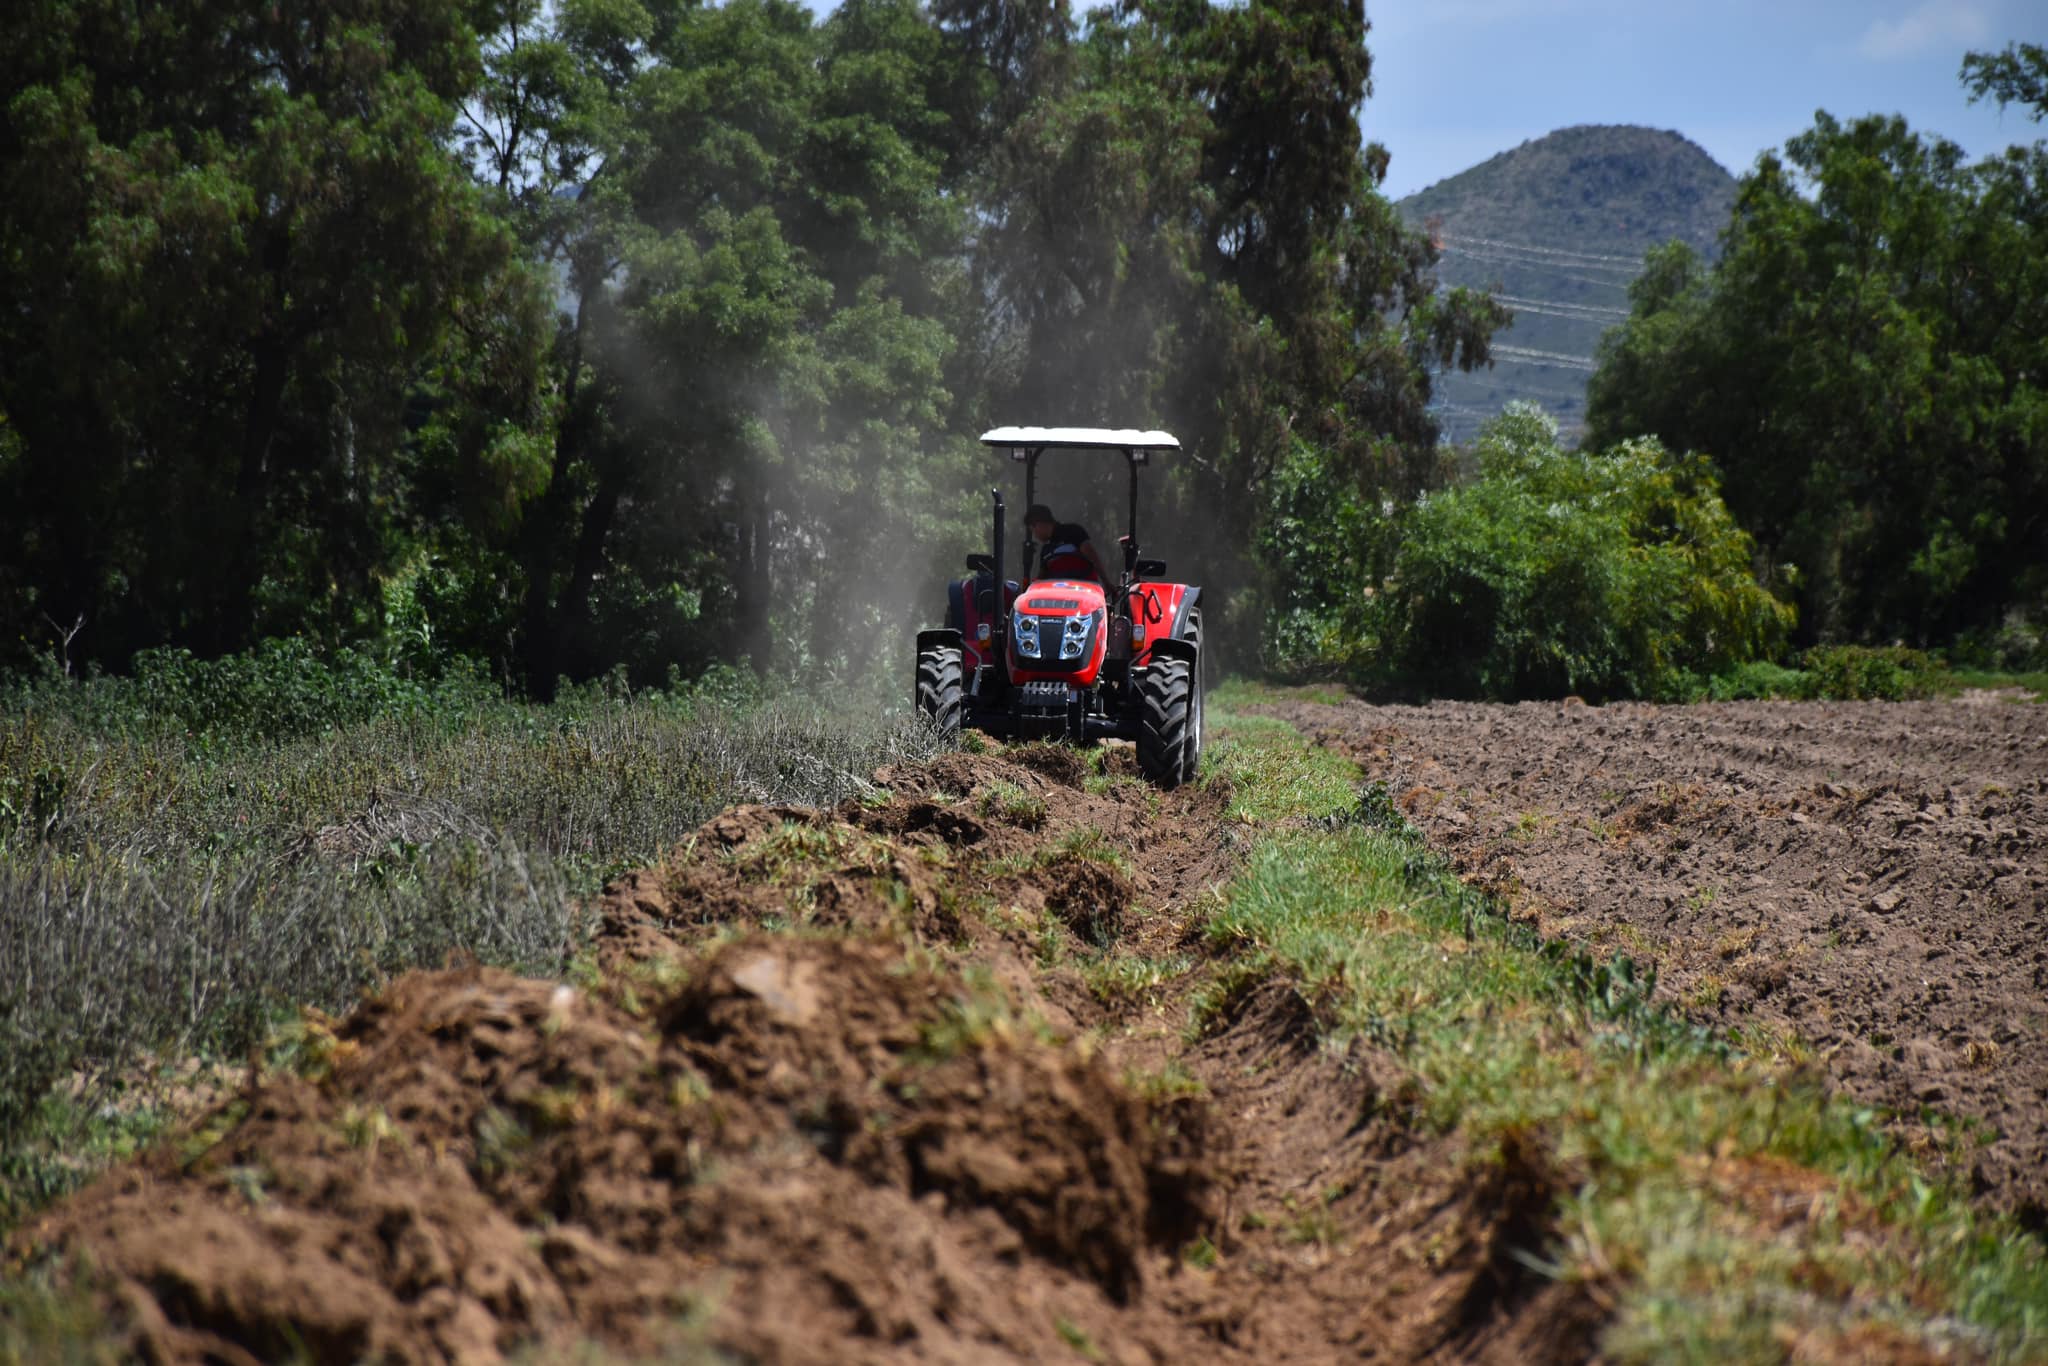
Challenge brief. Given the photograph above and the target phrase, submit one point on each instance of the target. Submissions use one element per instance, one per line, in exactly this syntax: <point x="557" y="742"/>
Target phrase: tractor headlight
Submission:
<point x="1024" y="634"/>
<point x="1074" y="636"/>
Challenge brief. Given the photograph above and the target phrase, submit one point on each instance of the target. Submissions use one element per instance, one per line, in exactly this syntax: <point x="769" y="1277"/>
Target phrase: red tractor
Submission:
<point x="1057" y="654"/>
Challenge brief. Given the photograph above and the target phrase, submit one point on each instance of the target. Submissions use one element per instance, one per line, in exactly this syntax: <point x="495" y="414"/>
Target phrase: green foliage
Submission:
<point x="2018" y="75"/>
<point x="1184" y="226"/>
<point x="282" y="688"/>
<point x="1322" y="544"/>
<point x="251" y="281"/>
<point x="749" y="210"/>
<point x="58" y="1320"/>
<point x="1846" y="673"/>
<point x="1855" y="672"/>
<point x="1864" y="364"/>
<point x="1604" y="574"/>
<point x="1759" y="679"/>
<point x="641" y="333"/>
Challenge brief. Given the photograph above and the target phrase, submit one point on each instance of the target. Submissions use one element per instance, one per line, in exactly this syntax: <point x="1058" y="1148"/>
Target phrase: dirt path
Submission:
<point x="839" y="1088"/>
<point x="1864" y="881"/>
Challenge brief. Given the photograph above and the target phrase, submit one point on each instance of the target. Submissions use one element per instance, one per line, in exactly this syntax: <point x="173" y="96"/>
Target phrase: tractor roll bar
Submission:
<point x="1027" y="444"/>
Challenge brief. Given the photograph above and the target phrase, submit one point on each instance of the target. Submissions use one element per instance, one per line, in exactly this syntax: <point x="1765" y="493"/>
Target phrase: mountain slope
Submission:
<point x="1557" y="228"/>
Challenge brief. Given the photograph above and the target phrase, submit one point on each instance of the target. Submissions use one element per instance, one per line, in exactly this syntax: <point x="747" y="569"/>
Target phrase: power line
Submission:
<point x="1591" y="318"/>
<point x="1560" y="303"/>
<point x="1546" y="263"/>
<point x="1555" y="268"/>
<point x="1576" y="257"/>
<point x="1556" y="358"/>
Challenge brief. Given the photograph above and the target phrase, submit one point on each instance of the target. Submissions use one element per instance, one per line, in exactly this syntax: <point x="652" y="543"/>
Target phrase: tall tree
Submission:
<point x="232" y="238"/>
<point x="2018" y="75"/>
<point x="1865" y="366"/>
<point x="1188" y="230"/>
<point x="746" y="207"/>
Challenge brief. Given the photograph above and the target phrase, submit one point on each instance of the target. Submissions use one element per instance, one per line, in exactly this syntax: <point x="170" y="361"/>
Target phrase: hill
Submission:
<point x="1557" y="227"/>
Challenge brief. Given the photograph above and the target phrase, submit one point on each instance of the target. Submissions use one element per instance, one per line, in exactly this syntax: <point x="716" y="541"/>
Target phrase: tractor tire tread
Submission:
<point x="1165" y="692"/>
<point x="940" y="697"/>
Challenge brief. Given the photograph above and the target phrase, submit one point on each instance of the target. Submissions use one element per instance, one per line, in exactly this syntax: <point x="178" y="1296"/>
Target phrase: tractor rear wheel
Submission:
<point x="939" y="694"/>
<point x="1167" y="707"/>
<point x="1191" y="757"/>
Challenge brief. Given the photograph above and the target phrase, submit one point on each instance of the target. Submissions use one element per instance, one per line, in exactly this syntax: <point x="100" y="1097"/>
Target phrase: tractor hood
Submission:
<point x="1060" y="598"/>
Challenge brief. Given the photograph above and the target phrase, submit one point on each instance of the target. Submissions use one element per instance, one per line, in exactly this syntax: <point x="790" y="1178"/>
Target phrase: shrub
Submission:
<point x="1759" y="679"/>
<point x="1606" y="574"/>
<point x="1318" y="541"/>
<point x="1858" y="672"/>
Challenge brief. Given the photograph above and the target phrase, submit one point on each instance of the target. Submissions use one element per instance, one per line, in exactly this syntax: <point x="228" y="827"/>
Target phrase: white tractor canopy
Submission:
<point x="1022" y="441"/>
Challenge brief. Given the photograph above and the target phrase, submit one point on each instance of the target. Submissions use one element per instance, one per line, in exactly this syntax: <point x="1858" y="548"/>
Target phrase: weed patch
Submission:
<point x="179" y="872"/>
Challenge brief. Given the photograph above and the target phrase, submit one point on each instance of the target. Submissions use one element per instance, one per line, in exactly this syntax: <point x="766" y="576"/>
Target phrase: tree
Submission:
<point x="2018" y="75"/>
<point x="1864" y="365"/>
<point x="232" y="239"/>
<point x="1189" y="232"/>
<point x="746" y="207"/>
<point x="282" y="358"/>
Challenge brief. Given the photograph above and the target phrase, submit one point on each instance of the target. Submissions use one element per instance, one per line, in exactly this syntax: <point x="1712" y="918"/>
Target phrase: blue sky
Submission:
<point x="1455" y="81"/>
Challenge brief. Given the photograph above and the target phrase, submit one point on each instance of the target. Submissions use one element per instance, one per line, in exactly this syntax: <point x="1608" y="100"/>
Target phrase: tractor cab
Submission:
<point x="1055" y="654"/>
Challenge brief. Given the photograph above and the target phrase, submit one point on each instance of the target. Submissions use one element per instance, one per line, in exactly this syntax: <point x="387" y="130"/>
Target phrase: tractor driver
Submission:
<point x="1064" y="550"/>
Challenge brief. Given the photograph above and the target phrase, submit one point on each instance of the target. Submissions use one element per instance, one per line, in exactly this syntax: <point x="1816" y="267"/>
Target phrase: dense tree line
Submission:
<point x="1868" y="366"/>
<point x="652" y="333"/>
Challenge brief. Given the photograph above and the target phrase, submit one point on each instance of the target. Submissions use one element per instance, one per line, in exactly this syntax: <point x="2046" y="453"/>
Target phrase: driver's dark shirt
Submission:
<point x="1065" y="549"/>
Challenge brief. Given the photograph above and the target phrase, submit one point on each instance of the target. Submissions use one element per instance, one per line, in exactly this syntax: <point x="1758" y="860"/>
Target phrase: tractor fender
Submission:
<point x="937" y="635"/>
<point x="1174" y="648"/>
<point x="1187" y="605"/>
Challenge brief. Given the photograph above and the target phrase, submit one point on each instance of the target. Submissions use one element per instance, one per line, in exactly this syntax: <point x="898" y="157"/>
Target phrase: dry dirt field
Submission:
<point x="1863" y="882"/>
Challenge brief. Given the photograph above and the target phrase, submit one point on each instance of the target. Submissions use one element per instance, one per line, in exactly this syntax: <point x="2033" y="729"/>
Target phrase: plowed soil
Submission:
<point x="1864" y="883"/>
<point x="833" y="1090"/>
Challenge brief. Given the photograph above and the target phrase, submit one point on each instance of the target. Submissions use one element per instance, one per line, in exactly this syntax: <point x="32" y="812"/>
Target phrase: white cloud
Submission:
<point x="1935" y="23"/>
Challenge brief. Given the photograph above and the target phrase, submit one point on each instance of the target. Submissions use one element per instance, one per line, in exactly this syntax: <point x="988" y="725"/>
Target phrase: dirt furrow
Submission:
<point x="1863" y="884"/>
<point x="838" y="1087"/>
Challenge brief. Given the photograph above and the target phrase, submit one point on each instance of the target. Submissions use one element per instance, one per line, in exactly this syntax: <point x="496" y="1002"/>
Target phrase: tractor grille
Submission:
<point x="1045" y="697"/>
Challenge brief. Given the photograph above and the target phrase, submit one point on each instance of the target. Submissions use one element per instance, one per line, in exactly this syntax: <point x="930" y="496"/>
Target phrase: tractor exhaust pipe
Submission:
<point x="1000" y="615"/>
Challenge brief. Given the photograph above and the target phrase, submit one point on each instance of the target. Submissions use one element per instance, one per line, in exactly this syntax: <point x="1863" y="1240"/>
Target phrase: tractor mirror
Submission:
<point x="982" y="564"/>
<point x="1151" y="569"/>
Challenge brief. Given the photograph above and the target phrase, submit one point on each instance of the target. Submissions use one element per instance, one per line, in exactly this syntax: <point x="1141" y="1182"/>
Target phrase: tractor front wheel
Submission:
<point x="939" y="693"/>
<point x="1167" y="708"/>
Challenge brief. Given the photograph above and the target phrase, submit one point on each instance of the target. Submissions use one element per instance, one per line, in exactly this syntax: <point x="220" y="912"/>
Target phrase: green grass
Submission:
<point x="1950" y="682"/>
<point x="64" y="1141"/>
<point x="1274" y="778"/>
<point x="1235" y="694"/>
<point x="1011" y="803"/>
<point x="1672" y="1138"/>
<point x="1119" y="976"/>
<point x="1851" y="673"/>
<point x="48" y="1320"/>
